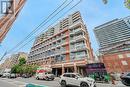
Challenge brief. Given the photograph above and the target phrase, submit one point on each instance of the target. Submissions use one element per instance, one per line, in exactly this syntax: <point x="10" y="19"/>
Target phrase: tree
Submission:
<point x="22" y="68"/>
<point x="127" y="3"/>
<point x="22" y="61"/>
<point x="19" y="67"/>
<point x="14" y="69"/>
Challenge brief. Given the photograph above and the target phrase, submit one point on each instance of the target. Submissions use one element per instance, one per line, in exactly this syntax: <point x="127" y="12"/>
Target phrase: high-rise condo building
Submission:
<point x="64" y="47"/>
<point x="112" y="34"/>
<point x="114" y="44"/>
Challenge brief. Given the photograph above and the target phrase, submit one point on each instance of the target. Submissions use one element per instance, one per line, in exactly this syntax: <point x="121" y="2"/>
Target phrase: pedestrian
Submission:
<point x="112" y="78"/>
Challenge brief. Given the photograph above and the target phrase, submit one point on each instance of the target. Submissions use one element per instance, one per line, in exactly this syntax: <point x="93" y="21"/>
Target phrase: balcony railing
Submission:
<point x="76" y="31"/>
<point x="78" y="57"/>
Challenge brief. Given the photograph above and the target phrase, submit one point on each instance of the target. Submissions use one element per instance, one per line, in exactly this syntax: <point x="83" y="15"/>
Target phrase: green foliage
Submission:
<point x="14" y="69"/>
<point x="24" y="69"/>
<point x="127" y="3"/>
<point x="22" y="61"/>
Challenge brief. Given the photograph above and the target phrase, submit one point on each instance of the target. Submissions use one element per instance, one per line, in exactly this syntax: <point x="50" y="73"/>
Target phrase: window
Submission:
<point x="73" y="76"/>
<point x="128" y="74"/>
<point x="128" y="55"/>
<point x="66" y="75"/>
<point x="120" y="56"/>
<point x="124" y="63"/>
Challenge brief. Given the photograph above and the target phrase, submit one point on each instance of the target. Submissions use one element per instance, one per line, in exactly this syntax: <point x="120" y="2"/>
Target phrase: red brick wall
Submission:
<point x="114" y="64"/>
<point x="67" y="47"/>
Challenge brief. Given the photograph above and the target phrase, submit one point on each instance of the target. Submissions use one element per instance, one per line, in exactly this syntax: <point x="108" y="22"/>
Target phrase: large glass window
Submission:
<point x="128" y="74"/>
<point x="124" y="62"/>
<point x="128" y="54"/>
<point x="120" y="56"/>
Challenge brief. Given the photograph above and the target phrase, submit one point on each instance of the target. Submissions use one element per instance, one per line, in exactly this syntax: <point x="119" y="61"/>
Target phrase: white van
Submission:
<point x="44" y="73"/>
<point x="45" y="76"/>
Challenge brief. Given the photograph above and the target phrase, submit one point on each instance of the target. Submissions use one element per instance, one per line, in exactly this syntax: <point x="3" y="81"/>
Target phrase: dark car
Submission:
<point x="26" y="75"/>
<point x="125" y="78"/>
<point x="0" y="74"/>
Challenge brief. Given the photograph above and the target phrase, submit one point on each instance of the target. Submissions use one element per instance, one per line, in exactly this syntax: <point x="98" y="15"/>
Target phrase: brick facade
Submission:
<point x="117" y="62"/>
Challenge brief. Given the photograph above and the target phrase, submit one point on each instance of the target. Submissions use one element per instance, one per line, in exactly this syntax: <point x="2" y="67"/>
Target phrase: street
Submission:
<point x="21" y="82"/>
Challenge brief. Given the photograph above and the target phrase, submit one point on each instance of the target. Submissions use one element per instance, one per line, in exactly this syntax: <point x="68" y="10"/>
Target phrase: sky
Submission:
<point x="94" y="13"/>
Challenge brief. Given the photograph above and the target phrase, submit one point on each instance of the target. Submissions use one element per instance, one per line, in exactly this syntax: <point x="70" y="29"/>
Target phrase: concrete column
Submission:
<point x="82" y="72"/>
<point x="78" y="69"/>
<point x="56" y="72"/>
<point x="63" y="69"/>
<point x="67" y="70"/>
<point x="75" y="68"/>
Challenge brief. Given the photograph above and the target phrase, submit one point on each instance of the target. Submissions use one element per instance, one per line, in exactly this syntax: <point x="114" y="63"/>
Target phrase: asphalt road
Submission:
<point x="10" y="83"/>
<point x="21" y="82"/>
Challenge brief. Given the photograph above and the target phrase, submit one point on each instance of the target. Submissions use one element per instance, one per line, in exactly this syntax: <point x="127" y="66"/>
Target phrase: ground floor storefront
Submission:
<point x="59" y="71"/>
<point x="76" y="67"/>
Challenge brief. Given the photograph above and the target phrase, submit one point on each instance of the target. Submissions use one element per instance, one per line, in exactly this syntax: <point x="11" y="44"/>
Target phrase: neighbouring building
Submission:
<point x="6" y="64"/>
<point x="64" y="47"/>
<point x="13" y="60"/>
<point x="114" y="44"/>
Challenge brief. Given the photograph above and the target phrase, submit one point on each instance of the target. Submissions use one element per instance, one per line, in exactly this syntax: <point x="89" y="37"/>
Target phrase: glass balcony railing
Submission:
<point x="75" y="31"/>
<point x="76" y="37"/>
<point x="78" y="57"/>
<point x="78" y="47"/>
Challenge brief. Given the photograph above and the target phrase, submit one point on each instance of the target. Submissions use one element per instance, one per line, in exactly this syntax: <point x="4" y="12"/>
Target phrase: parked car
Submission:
<point x="4" y="75"/>
<point x="125" y="78"/>
<point x="0" y="74"/>
<point x="45" y="76"/>
<point x="75" y="79"/>
<point x="26" y="75"/>
<point x="12" y="75"/>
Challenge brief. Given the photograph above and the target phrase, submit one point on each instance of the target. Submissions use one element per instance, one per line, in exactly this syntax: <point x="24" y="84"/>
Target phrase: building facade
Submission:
<point x="6" y="64"/>
<point x="64" y="47"/>
<point x="113" y="33"/>
<point x="13" y="60"/>
<point x="114" y="40"/>
<point x="15" y="57"/>
<point x="117" y="62"/>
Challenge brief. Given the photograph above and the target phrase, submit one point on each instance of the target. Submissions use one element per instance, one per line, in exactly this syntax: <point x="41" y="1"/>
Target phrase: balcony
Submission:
<point x="78" y="48"/>
<point x="77" y="38"/>
<point x="79" y="30"/>
<point x="78" y="23"/>
<point x="78" y="57"/>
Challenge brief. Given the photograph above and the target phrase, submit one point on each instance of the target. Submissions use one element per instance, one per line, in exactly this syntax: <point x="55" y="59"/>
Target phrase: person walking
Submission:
<point x="112" y="78"/>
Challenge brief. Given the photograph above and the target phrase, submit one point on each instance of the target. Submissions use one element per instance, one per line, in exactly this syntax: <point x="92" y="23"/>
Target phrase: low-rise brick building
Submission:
<point x="117" y="62"/>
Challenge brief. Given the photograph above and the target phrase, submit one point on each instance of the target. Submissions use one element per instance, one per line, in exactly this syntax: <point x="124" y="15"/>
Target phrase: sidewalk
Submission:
<point x="118" y="84"/>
